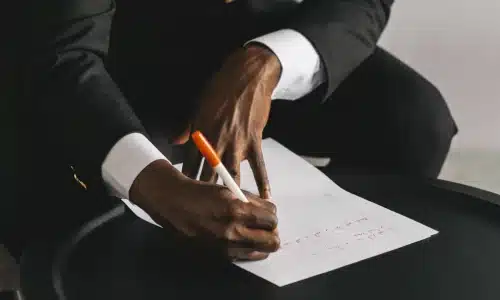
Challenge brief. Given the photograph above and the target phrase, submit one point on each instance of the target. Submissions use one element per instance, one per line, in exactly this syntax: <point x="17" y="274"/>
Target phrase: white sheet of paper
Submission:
<point x="322" y="227"/>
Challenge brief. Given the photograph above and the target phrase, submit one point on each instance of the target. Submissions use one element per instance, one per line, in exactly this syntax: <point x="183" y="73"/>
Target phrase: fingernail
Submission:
<point x="256" y="255"/>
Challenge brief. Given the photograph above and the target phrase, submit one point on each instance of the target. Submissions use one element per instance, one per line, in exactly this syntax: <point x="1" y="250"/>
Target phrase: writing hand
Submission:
<point x="207" y="212"/>
<point x="232" y="114"/>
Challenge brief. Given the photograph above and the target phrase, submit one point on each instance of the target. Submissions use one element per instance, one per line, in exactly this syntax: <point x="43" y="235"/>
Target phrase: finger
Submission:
<point x="263" y="203"/>
<point x="208" y="173"/>
<point x="254" y="216"/>
<point x="231" y="161"/>
<point x="254" y="239"/>
<point x="256" y="161"/>
<point x="192" y="160"/>
<point x="245" y="254"/>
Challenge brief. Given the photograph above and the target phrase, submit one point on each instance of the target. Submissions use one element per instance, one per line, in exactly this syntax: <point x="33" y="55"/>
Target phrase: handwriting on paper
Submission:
<point x="318" y="234"/>
<point x="340" y="240"/>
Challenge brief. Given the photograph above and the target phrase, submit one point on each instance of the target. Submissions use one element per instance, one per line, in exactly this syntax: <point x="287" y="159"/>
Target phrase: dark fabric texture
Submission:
<point x="86" y="73"/>
<point x="85" y="111"/>
<point x="73" y="96"/>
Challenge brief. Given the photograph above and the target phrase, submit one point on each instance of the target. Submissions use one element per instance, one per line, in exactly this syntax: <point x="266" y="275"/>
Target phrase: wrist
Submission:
<point x="268" y="62"/>
<point x="156" y="179"/>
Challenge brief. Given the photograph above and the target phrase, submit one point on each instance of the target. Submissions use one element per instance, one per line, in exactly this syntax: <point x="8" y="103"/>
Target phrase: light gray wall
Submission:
<point x="455" y="44"/>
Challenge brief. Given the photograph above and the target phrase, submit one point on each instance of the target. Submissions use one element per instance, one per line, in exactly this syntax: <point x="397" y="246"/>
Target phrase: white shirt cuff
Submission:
<point x="128" y="157"/>
<point x="301" y="67"/>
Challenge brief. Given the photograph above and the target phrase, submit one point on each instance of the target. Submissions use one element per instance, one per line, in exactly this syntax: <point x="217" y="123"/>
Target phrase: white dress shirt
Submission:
<point x="301" y="73"/>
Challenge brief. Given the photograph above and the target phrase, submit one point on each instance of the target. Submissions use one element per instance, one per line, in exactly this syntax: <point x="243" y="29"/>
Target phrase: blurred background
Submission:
<point x="456" y="45"/>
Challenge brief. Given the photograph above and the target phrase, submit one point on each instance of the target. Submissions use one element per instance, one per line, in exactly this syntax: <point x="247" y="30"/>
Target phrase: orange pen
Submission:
<point x="214" y="161"/>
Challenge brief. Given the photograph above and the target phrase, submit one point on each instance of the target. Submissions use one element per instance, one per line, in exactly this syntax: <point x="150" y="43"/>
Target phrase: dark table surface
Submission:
<point x="127" y="258"/>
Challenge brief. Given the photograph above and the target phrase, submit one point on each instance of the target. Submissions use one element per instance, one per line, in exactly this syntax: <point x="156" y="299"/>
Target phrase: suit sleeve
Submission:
<point x="344" y="32"/>
<point x="83" y="110"/>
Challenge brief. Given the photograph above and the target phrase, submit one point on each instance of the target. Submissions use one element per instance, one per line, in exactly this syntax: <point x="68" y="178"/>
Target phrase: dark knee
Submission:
<point x="436" y="122"/>
<point x="431" y="128"/>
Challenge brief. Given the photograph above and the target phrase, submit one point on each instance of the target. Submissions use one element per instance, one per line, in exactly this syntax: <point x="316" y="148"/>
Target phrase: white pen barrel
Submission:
<point x="229" y="182"/>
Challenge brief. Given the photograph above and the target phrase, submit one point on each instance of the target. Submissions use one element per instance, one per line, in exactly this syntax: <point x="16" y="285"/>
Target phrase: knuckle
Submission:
<point x="227" y="196"/>
<point x="256" y="137"/>
<point x="273" y="219"/>
<point x="253" y="198"/>
<point x="236" y="178"/>
<point x="236" y="210"/>
<point x="233" y="172"/>
<point x="275" y="243"/>
<point x="272" y="207"/>
<point x="225" y="193"/>
<point x="274" y="224"/>
<point x="230" y="234"/>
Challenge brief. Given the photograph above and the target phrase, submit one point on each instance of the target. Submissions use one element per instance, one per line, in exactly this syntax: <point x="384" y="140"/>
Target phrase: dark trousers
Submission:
<point x="384" y="118"/>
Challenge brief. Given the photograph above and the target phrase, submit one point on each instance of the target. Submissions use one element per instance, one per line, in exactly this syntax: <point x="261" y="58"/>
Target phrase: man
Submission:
<point x="307" y="73"/>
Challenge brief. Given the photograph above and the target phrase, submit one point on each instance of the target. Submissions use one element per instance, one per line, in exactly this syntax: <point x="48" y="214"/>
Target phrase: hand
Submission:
<point x="207" y="212"/>
<point x="232" y="114"/>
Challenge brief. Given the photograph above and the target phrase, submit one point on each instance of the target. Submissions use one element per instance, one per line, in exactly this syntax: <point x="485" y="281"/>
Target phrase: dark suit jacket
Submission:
<point x="89" y="113"/>
<point x="160" y="53"/>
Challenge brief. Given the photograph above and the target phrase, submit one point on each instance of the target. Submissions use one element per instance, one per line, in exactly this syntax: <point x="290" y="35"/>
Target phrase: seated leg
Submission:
<point x="385" y="117"/>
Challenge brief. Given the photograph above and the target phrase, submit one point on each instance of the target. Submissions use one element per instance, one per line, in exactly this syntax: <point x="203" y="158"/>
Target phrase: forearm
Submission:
<point x="89" y="113"/>
<point x="83" y="110"/>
